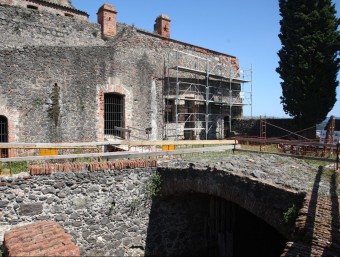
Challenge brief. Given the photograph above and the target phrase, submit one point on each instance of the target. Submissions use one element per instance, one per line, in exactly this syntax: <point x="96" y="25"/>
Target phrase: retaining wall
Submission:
<point x="105" y="212"/>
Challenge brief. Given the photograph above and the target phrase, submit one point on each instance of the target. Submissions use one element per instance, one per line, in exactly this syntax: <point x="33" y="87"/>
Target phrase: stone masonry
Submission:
<point x="55" y="71"/>
<point x="108" y="212"/>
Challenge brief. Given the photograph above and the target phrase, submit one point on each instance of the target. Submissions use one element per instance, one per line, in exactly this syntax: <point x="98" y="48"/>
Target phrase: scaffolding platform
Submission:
<point x="201" y="95"/>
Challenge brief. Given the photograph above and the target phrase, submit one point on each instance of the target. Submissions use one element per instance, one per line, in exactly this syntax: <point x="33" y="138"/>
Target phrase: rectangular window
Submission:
<point x="169" y="110"/>
<point x="3" y="135"/>
<point x="113" y="114"/>
<point x="32" y="7"/>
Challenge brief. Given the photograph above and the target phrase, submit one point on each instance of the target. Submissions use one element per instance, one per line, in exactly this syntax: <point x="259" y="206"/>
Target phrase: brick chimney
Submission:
<point x="107" y="18"/>
<point x="162" y="25"/>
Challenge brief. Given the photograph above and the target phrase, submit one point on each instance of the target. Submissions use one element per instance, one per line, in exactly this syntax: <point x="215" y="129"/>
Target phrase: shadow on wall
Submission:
<point x="203" y="225"/>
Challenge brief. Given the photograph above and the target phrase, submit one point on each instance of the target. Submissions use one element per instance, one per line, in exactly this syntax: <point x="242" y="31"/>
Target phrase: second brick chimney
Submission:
<point x="107" y="18"/>
<point x="162" y="25"/>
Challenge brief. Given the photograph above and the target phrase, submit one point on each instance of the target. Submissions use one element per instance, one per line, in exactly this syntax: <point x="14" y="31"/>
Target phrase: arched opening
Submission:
<point x="3" y="135"/>
<point x="203" y="225"/>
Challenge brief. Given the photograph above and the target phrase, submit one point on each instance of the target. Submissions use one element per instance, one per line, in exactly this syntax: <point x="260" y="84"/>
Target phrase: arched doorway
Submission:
<point x="3" y="135"/>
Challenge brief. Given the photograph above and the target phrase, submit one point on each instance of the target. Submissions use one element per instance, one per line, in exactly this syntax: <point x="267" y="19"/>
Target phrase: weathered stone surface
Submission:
<point x="3" y="204"/>
<point x="86" y="209"/>
<point x="55" y="72"/>
<point x="30" y="209"/>
<point x="120" y="218"/>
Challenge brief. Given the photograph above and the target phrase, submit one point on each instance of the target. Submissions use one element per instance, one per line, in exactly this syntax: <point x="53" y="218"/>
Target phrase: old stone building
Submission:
<point x="64" y="78"/>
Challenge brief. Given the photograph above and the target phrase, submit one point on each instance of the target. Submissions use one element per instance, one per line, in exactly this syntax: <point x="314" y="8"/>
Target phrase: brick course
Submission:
<point x="42" y="238"/>
<point x="316" y="229"/>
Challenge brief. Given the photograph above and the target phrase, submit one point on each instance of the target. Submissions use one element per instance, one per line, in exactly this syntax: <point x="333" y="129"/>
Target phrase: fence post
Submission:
<point x="337" y="154"/>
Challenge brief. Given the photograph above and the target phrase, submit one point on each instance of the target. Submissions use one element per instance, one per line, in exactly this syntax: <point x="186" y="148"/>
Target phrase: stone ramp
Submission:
<point x="42" y="238"/>
<point x="317" y="230"/>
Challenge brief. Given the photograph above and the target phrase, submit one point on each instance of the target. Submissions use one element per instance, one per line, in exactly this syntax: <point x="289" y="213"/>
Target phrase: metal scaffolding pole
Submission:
<point x="177" y="97"/>
<point x="207" y="103"/>
<point x="189" y="98"/>
<point x="230" y="99"/>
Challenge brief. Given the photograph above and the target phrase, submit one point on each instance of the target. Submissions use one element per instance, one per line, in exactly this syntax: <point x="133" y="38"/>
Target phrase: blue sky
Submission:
<point x="247" y="29"/>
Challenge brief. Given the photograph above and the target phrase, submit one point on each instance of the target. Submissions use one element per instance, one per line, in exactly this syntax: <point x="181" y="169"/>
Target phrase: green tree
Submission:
<point x="309" y="61"/>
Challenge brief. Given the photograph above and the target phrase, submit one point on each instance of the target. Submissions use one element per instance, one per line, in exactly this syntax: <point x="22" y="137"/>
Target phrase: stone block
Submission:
<point x="30" y="209"/>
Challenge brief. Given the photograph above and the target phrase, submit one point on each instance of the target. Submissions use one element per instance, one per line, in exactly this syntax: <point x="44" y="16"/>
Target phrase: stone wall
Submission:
<point x="263" y="200"/>
<point x="111" y="212"/>
<point x="105" y="212"/>
<point x="57" y="92"/>
<point x="53" y="91"/>
<point x="22" y="26"/>
<point x="274" y="128"/>
<point x="60" y="7"/>
<point x="56" y="70"/>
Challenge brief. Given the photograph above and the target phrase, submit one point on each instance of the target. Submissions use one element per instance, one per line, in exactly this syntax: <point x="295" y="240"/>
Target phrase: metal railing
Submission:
<point x="309" y="149"/>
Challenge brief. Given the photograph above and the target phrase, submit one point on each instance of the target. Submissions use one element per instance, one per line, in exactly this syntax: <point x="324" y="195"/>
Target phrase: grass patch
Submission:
<point x="17" y="167"/>
<point x="212" y="156"/>
<point x="290" y="215"/>
<point x="153" y="187"/>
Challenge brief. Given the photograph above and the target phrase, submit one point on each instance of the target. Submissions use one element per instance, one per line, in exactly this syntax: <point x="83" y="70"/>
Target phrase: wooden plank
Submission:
<point x="118" y="155"/>
<point x="289" y="155"/>
<point x="48" y="152"/>
<point x="69" y="156"/>
<point x="58" y="145"/>
<point x="285" y="142"/>
<point x="177" y="142"/>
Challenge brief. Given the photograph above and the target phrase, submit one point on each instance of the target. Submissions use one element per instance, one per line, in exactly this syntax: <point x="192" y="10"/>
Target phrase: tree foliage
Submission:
<point x="309" y="61"/>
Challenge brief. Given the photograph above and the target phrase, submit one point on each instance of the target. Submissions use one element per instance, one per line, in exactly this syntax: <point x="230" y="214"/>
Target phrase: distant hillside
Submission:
<point x="322" y="125"/>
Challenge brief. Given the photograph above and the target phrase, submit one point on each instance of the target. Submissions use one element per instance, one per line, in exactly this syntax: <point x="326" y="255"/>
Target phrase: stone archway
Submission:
<point x="195" y="224"/>
<point x="242" y="198"/>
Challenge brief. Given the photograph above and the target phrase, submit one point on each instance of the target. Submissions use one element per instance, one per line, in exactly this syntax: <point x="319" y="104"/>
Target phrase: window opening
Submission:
<point x="113" y="114"/>
<point x="3" y="135"/>
<point x="169" y="110"/>
<point x="226" y="126"/>
<point x="69" y="15"/>
<point x="32" y="7"/>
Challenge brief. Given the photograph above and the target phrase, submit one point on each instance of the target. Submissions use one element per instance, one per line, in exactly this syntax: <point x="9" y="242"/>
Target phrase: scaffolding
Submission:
<point x="202" y="94"/>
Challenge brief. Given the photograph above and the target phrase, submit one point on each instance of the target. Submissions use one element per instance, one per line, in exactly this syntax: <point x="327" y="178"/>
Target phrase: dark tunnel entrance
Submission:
<point x="203" y="225"/>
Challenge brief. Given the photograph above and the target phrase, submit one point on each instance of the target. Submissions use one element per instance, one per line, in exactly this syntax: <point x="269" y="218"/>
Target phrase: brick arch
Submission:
<point x="268" y="202"/>
<point x="13" y="123"/>
<point x="116" y="88"/>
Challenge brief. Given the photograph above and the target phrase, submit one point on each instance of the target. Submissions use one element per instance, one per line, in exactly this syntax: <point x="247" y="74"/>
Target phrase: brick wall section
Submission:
<point x="42" y="238"/>
<point x="317" y="229"/>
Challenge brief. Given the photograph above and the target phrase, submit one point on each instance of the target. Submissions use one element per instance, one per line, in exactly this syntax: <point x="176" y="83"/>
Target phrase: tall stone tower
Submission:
<point x="107" y="19"/>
